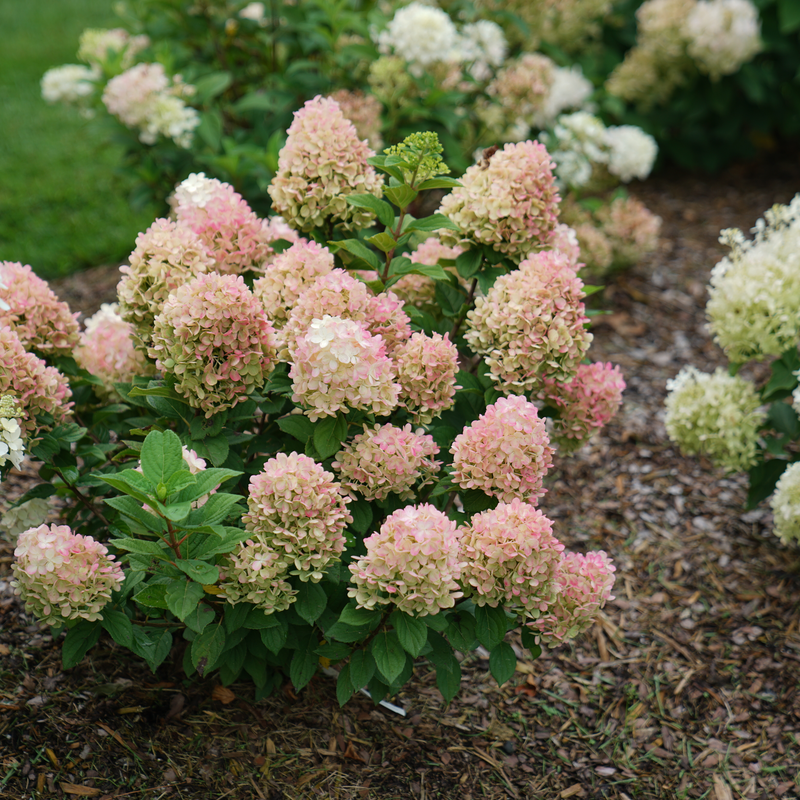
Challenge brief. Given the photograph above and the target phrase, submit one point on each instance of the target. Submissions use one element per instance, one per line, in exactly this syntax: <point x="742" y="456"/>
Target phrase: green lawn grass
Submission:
<point x="62" y="205"/>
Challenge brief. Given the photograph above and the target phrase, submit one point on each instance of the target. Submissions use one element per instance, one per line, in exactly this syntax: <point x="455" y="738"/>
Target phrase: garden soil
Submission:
<point x="688" y="686"/>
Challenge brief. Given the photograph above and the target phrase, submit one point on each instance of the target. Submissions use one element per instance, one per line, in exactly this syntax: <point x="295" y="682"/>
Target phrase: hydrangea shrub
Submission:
<point x="314" y="470"/>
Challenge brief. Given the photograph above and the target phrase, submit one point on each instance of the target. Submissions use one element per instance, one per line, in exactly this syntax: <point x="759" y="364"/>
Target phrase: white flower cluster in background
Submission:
<point x="484" y="44"/>
<point x="722" y="35"/>
<point x="571" y="89"/>
<point x="69" y="83"/>
<point x="754" y="296"/>
<point x="255" y="12"/>
<point x="631" y="152"/>
<point x="12" y="445"/>
<point x="786" y="504"/>
<point x="196" y="190"/>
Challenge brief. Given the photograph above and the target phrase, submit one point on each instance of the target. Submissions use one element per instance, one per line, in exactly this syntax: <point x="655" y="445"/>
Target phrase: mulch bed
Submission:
<point x="686" y="688"/>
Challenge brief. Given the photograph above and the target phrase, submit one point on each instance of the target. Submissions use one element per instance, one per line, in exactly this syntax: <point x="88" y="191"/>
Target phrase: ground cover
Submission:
<point x="687" y="688"/>
<point x="61" y="205"/>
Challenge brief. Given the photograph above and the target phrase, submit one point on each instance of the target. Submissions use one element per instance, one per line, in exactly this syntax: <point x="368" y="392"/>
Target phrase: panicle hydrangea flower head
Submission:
<point x="530" y="324"/>
<point x="412" y="562"/>
<point x="145" y="99"/>
<point x="107" y="348"/>
<point x="213" y="336"/>
<point x="339" y="294"/>
<point x="338" y="364"/>
<point x="69" y="84"/>
<point x="321" y="163"/>
<point x="63" y="576"/>
<point x="631" y="229"/>
<point x="98" y="46"/>
<point x="631" y="152"/>
<point x="256" y="573"/>
<point x="426" y="371"/>
<point x="565" y="240"/>
<point x="288" y="276"/>
<point x="511" y="557"/>
<point x="509" y="203"/>
<point x="12" y="445"/>
<point x="718" y="415"/>
<point x="386" y="459"/>
<point x="166" y="256"/>
<point x="722" y="35"/>
<point x="754" y="293"/>
<point x="364" y="111"/>
<point x="422" y="153"/>
<point x="585" y="404"/>
<point x="785" y="505"/>
<point x="298" y="510"/>
<point x="233" y="235"/>
<point x="484" y="44"/>
<point x="39" y="389"/>
<point x="570" y="89"/>
<point x="31" y="514"/>
<point x="596" y="249"/>
<point x="578" y="145"/>
<point x="256" y="12"/>
<point x="422" y="35"/>
<point x="42" y="321"/>
<point x="505" y="453"/>
<point x="584" y="584"/>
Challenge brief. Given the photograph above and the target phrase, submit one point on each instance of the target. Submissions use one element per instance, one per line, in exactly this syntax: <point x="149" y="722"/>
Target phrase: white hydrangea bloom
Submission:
<point x="786" y="505"/>
<point x="570" y="89"/>
<point x="422" y="35"/>
<point x="754" y="296"/>
<point x="255" y="12"/>
<point x="484" y="44"/>
<point x="69" y="83"/>
<point x="22" y="518"/>
<point x="3" y="305"/>
<point x="631" y="152"/>
<point x="719" y="415"/>
<point x="578" y="142"/>
<point x="722" y="35"/>
<point x="12" y="445"/>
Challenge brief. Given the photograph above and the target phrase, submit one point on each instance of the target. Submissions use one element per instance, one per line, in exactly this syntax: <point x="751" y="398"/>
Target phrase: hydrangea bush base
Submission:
<point x="356" y="488"/>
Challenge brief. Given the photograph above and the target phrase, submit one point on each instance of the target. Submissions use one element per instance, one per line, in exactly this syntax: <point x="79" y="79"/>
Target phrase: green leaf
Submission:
<point x="78" y="641"/>
<point x="529" y="642"/>
<point x="344" y="686"/>
<point x="358" y="249"/>
<point x="176" y="512"/>
<point x="763" y="478"/>
<point x="198" y="619"/>
<point x="179" y="481"/>
<point x="197" y="570"/>
<point x="362" y="668"/>
<point x="126" y="488"/>
<point x="218" y="507"/>
<point x="210" y="129"/>
<point x="412" y="633"/>
<point x="45" y="449"/>
<point x="381" y="208"/>
<point x="207" y="648"/>
<point x="209" y="86"/>
<point x="502" y="662"/>
<point x="781" y="382"/>
<point x="152" y="646"/>
<point x="154" y="596"/>
<point x="784" y="419"/>
<point x="183" y="596"/>
<point x="388" y="654"/>
<point x="161" y="455"/>
<point x="329" y="433"/>
<point x="442" y="182"/>
<point x="141" y="546"/>
<point x="402" y="196"/>
<point x="435" y="222"/>
<point x="334" y="651"/>
<point x="475" y="501"/>
<point x="788" y="16"/>
<point x="469" y="263"/>
<point x="448" y="676"/>
<point x="311" y="601"/>
<point x="257" y="619"/>
<point x="303" y="666"/>
<point x="274" y="638"/>
<point x="351" y="615"/>
<point x="461" y="632"/>
<point x="383" y="241"/>
<point x="490" y="626"/>
<point x="118" y="626"/>
<point x="297" y="425"/>
<point x="133" y="508"/>
<point x="236" y="616"/>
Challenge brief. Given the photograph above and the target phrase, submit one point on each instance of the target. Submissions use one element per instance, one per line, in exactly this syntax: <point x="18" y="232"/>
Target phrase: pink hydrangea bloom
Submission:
<point x="39" y="389"/>
<point x="322" y="162"/>
<point x="511" y="203"/>
<point x="433" y="250"/>
<point x="411" y="562"/>
<point x="585" y="404"/>
<point x="107" y="349"/>
<point x="63" y="576"/>
<point x="511" y="557"/>
<point x="166" y="256"/>
<point x="37" y="316"/>
<point x="426" y="371"/>
<point x="386" y="459"/>
<point x="288" y="276"/>
<point x="530" y="325"/>
<point x="339" y="365"/>
<point x="256" y="573"/>
<point x="565" y="240"/>
<point x="234" y="236"/>
<point x="596" y="249"/>
<point x="213" y="336"/>
<point x="300" y="512"/>
<point x="339" y="294"/>
<point x="505" y="452"/>
<point x="631" y="228"/>
<point x="584" y="584"/>
<point x="364" y="111"/>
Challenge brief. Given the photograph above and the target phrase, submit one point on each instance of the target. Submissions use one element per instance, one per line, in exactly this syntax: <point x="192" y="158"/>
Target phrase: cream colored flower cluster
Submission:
<point x="99" y="46"/>
<point x="71" y="84"/>
<point x="785" y="505"/>
<point x="12" y="445"/>
<point x="63" y="576"/>
<point x="30" y="514"/>
<point x="530" y="325"/>
<point x="718" y="415"/>
<point x="754" y="297"/>
<point x="386" y="460"/>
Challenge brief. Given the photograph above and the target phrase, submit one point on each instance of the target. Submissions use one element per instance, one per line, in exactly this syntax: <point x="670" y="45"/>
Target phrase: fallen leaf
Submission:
<point x="83" y="791"/>
<point x="572" y="791"/>
<point x="721" y="789"/>
<point x="223" y="694"/>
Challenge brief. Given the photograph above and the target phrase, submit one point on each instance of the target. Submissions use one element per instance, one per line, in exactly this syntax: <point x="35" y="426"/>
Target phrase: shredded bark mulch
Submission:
<point x="688" y="686"/>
